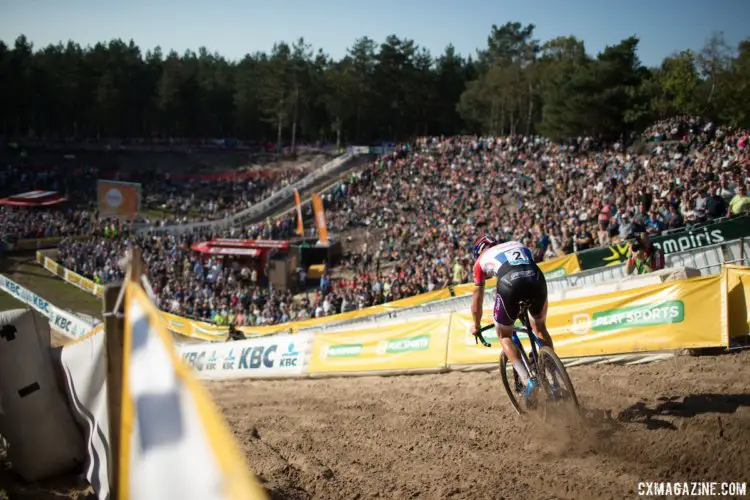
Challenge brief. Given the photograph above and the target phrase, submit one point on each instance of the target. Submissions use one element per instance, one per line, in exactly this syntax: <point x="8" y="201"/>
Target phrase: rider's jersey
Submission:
<point x="494" y="260"/>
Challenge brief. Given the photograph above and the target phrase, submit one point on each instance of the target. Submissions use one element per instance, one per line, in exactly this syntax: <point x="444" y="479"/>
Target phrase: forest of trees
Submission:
<point x="388" y="91"/>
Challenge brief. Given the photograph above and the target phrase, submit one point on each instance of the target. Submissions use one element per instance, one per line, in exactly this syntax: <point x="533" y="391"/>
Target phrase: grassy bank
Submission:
<point x="23" y="270"/>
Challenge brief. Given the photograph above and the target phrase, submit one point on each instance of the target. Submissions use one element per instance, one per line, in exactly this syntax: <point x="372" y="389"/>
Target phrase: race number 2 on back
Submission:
<point x="516" y="257"/>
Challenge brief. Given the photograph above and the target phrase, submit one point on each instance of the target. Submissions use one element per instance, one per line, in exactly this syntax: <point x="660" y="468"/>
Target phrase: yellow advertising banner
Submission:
<point x="53" y="267"/>
<point x="118" y="199"/>
<point x="416" y="345"/>
<point x="673" y="315"/>
<point x="293" y="327"/>
<point x="379" y="309"/>
<point x="69" y="276"/>
<point x="738" y="299"/>
<point x="560" y="266"/>
<point x="417" y="300"/>
<point x="262" y="331"/>
<point x="84" y="284"/>
<point x="193" y="328"/>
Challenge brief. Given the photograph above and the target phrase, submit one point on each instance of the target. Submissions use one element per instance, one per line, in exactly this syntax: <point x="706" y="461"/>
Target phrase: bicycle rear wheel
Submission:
<point x="512" y="387"/>
<point x="555" y="380"/>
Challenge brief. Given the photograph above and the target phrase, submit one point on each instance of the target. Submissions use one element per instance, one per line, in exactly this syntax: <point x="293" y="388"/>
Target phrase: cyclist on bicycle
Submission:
<point x="518" y="279"/>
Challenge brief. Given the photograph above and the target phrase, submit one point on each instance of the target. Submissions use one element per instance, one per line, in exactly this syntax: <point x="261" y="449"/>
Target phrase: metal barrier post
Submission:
<point x="742" y="250"/>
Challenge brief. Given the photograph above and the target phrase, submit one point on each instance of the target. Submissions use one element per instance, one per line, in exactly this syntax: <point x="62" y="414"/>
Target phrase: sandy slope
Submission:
<point x="455" y="435"/>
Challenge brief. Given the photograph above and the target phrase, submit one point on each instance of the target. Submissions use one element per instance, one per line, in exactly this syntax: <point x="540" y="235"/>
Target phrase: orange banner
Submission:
<point x="118" y="199"/>
<point x="320" y="219"/>
<point x="300" y="229"/>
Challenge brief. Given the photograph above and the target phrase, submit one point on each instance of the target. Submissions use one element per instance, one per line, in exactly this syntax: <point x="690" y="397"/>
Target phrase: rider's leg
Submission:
<point x="505" y="334"/>
<point x="539" y="325"/>
<point x="504" y="320"/>
<point x="537" y="294"/>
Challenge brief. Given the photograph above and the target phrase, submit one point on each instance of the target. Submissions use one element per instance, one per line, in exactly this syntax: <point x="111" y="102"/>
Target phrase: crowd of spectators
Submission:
<point x="421" y="206"/>
<point x="678" y="128"/>
<point x="187" y="284"/>
<point x="78" y="183"/>
<point x="21" y="223"/>
<point x="196" y="199"/>
<point x="167" y="200"/>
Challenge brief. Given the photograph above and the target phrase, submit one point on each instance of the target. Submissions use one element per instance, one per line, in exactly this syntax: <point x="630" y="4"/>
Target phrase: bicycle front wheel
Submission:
<point x="555" y="380"/>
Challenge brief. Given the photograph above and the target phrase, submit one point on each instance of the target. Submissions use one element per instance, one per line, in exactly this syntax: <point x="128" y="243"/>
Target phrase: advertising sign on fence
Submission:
<point x="709" y="234"/>
<point x="193" y="328"/>
<point x="673" y="315"/>
<point x="23" y="295"/>
<point x="177" y="324"/>
<point x="415" y="345"/>
<point x="67" y="323"/>
<point x="560" y="266"/>
<point x="277" y="356"/>
<point x="84" y="284"/>
<point x="64" y="322"/>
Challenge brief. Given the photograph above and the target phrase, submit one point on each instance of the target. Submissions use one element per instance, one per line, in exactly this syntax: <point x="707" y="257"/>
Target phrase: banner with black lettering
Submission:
<point x="689" y="239"/>
<point x="275" y="356"/>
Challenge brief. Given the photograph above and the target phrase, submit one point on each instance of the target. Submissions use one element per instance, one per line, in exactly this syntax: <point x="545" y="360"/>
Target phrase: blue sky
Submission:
<point x="236" y="27"/>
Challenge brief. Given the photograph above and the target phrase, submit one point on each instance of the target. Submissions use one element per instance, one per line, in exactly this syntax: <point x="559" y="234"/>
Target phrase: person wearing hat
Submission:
<point x="644" y="256"/>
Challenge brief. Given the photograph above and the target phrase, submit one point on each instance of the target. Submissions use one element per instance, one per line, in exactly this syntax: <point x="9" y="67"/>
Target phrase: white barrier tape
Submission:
<point x="62" y="321"/>
<point x="69" y="324"/>
<point x="23" y="295"/>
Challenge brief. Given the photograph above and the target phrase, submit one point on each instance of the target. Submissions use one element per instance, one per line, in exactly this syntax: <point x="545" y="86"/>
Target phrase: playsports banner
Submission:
<point x="674" y="315"/>
<point x="416" y="345"/>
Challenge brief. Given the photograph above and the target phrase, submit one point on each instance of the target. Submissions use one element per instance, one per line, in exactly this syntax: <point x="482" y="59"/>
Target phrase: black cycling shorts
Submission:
<point x="516" y="284"/>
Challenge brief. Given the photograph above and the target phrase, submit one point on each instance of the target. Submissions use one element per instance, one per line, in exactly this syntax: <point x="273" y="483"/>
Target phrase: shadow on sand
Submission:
<point x="679" y="407"/>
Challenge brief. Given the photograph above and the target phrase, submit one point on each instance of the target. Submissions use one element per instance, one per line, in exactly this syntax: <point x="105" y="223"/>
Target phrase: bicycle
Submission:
<point x="558" y="389"/>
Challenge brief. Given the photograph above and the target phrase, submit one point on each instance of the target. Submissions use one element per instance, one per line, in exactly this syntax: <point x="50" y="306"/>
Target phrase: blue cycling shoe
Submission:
<point x="529" y="392"/>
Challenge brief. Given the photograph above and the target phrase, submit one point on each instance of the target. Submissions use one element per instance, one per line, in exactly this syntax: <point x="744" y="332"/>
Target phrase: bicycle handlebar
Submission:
<point x="478" y="337"/>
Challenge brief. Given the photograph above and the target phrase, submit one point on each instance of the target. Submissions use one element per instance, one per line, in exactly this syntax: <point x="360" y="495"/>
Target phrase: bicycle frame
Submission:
<point x="531" y="363"/>
<point x="536" y="344"/>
